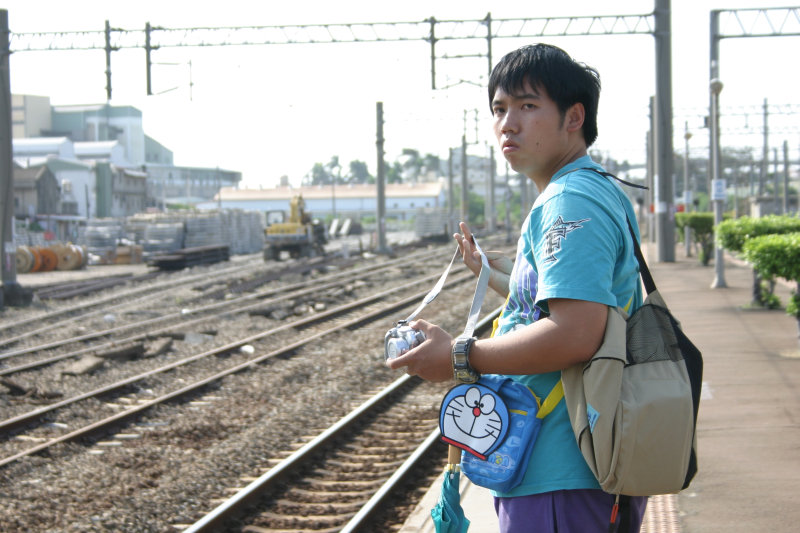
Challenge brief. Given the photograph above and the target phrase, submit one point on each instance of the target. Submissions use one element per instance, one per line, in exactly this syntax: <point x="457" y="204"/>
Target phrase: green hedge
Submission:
<point x="702" y="225"/>
<point x="732" y="234"/>
<point x="777" y="256"/>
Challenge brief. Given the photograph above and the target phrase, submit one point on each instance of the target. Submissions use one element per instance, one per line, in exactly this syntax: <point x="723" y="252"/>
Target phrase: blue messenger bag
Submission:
<point x="495" y="422"/>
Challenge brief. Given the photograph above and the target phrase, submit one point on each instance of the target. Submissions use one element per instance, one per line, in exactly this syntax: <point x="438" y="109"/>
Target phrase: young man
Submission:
<point x="574" y="258"/>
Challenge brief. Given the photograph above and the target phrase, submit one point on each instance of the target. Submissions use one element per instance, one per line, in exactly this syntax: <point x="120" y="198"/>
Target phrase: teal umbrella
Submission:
<point x="448" y="516"/>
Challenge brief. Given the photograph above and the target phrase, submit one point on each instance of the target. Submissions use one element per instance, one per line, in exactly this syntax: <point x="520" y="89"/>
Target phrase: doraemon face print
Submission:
<point x="474" y="418"/>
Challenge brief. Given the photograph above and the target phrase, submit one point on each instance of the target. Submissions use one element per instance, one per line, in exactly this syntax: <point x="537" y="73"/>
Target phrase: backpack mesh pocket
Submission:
<point x="643" y="344"/>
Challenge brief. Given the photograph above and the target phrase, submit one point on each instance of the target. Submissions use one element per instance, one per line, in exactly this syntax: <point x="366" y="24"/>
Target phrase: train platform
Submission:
<point x="748" y="428"/>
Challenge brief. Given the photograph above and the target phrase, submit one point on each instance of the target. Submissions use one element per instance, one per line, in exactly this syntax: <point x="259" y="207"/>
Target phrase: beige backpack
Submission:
<point x="633" y="406"/>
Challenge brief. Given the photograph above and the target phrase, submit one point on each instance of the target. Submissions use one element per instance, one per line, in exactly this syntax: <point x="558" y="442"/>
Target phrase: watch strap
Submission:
<point x="462" y="370"/>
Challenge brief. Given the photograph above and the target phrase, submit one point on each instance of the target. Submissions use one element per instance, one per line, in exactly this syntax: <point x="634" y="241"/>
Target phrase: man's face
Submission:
<point x="530" y="131"/>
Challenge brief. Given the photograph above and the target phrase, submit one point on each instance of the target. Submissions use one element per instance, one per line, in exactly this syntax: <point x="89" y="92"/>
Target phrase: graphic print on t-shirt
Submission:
<point x="557" y="233"/>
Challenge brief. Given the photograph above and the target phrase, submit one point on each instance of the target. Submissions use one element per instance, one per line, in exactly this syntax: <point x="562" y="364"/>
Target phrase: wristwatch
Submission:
<point x="462" y="372"/>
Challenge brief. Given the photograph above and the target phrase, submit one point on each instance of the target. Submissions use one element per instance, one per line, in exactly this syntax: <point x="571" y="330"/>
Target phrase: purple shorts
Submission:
<point x="566" y="511"/>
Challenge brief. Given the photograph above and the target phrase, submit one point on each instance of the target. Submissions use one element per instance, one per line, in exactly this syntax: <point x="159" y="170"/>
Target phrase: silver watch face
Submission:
<point x="460" y="353"/>
<point x="462" y="372"/>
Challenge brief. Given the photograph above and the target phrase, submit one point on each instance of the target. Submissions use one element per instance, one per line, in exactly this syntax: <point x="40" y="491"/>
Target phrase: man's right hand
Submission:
<point x="500" y="264"/>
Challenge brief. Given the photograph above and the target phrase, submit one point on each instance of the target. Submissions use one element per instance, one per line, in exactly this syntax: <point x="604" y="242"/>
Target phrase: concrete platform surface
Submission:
<point x="749" y="426"/>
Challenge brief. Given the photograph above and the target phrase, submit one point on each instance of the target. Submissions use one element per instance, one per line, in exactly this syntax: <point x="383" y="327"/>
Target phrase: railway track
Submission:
<point x="380" y="309"/>
<point x="235" y="278"/>
<point x="13" y="331"/>
<point x="186" y="317"/>
<point x="352" y="476"/>
<point x="172" y="439"/>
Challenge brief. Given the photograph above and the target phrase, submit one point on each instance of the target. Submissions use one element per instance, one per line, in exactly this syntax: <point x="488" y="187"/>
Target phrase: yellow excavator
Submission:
<point x="300" y="235"/>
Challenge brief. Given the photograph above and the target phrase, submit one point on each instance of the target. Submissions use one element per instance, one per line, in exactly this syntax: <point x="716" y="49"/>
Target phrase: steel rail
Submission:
<point x="109" y="331"/>
<point x="232" y="507"/>
<point x="186" y="280"/>
<point x="249" y="494"/>
<point x="371" y="315"/>
<point x="47" y="328"/>
<point x="63" y="291"/>
<point x="369" y="509"/>
<point x="365" y="271"/>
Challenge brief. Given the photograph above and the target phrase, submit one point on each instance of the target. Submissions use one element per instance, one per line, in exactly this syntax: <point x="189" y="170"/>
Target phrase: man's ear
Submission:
<point x="575" y="117"/>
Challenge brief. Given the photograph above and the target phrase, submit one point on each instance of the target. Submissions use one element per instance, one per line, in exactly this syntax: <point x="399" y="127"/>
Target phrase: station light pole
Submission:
<point x="717" y="184"/>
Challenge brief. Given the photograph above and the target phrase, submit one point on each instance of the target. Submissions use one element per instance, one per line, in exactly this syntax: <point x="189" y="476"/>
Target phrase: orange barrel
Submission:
<point x="69" y="257"/>
<point x="37" y="259"/>
<point x="49" y="259"/>
<point x="24" y="260"/>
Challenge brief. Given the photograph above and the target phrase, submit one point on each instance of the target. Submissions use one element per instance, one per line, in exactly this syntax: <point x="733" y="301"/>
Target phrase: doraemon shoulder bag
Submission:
<point x="495" y="422"/>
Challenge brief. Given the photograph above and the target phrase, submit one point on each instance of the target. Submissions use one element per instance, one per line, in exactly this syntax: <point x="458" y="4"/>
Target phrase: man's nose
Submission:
<point x="508" y="124"/>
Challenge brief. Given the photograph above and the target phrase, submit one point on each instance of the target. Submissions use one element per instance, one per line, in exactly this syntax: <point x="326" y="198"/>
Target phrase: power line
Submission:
<point x="426" y="30"/>
<point x="759" y="22"/>
<point x="430" y="30"/>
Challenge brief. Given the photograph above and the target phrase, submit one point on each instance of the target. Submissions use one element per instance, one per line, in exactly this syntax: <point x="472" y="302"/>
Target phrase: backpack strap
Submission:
<point x="647" y="278"/>
<point x="556" y="393"/>
<point x="610" y="175"/>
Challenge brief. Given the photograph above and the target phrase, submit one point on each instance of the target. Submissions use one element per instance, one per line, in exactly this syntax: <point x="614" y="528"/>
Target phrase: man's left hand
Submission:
<point x="431" y="360"/>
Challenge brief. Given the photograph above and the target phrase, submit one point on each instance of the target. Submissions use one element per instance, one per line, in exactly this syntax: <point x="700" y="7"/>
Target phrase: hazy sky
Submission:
<point x="276" y="110"/>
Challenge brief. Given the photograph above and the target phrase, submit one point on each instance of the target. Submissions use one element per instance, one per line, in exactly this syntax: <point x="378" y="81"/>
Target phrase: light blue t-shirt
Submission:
<point x="574" y="244"/>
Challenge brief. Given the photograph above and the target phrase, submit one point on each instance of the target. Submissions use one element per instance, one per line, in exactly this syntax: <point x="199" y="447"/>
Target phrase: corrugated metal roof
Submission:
<point x="94" y="147"/>
<point x="132" y="173"/>
<point x="56" y="163"/>
<point x="38" y="145"/>
<point x="431" y="189"/>
<point x="27" y="176"/>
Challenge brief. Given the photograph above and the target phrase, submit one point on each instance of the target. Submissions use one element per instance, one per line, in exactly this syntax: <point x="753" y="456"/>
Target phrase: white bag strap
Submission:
<point x="434" y="292"/>
<point x="477" y="298"/>
<point x="480" y="291"/>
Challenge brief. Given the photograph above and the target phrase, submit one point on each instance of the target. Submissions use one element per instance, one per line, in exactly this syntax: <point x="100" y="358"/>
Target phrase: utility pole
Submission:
<point x="775" y="180"/>
<point x="652" y="191"/>
<point x="464" y="184"/>
<point x="8" y="251"/>
<point x="717" y="184"/>
<point x="381" y="207"/>
<point x="765" y="152"/>
<point x="489" y="211"/>
<point x="525" y="204"/>
<point x="108" y="50"/>
<point x="451" y="194"/>
<point x="687" y="194"/>
<point x="11" y="292"/>
<point x="665" y="204"/>
<point x="508" y="206"/>
<point x="785" y="177"/>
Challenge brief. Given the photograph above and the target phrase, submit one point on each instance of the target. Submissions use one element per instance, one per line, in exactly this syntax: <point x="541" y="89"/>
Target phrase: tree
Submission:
<point x="415" y="166"/>
<point x="319" y="175"/>
<point x="411" y="164"/>
<point x="431" y="163"/>
<point x="334" y="170"/>
<point x="394" y="173"/>
<point x="359" y="173"/>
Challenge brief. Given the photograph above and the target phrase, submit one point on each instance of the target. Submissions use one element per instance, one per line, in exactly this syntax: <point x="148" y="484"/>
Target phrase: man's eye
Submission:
<point x="498" y="111"/>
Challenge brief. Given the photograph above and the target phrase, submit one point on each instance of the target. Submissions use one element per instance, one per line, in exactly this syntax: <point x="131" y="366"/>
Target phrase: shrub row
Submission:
<point x="771" y="244"/>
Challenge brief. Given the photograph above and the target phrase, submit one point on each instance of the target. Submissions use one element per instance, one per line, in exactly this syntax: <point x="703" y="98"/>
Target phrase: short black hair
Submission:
<point x="566" y="81"/>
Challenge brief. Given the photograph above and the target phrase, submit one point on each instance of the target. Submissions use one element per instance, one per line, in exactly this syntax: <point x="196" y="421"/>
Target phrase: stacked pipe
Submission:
<point x="48" y="258"/>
